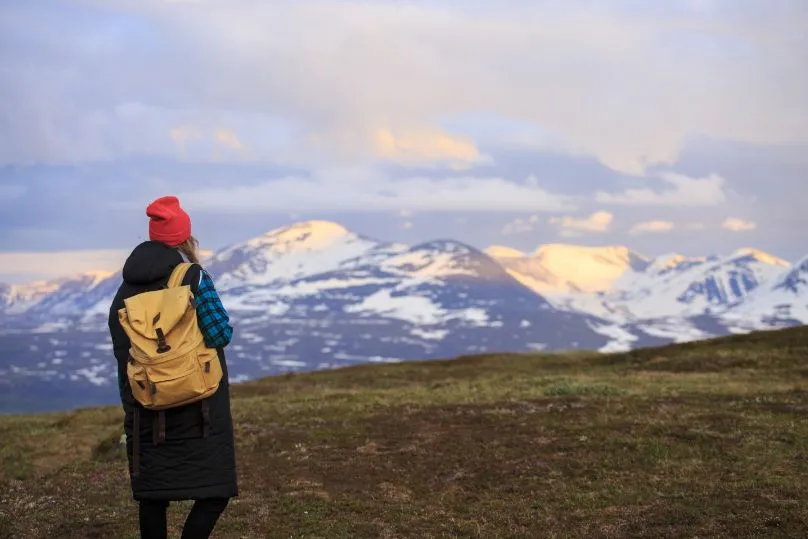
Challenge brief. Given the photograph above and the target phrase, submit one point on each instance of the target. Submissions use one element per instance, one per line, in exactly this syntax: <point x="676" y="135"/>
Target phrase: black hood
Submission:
<point x="149" y="262"/>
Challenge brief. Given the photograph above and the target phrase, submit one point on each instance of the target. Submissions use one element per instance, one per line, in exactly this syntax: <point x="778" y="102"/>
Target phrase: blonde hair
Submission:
<point x="190" y="248"/>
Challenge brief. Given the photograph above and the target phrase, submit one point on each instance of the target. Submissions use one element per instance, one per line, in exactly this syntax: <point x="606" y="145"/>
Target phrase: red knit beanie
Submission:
<point x="169" y="223"/>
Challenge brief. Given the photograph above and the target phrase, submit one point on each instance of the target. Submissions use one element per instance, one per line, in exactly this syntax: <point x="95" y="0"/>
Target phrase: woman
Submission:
<point x="181" y="463"/>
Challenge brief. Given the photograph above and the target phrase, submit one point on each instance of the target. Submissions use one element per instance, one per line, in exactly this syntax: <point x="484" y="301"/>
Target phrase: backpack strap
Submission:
<point x="136" y="444"/>
<point x="159" y="428"/>
<point x="205" y="409"/>
<point x="178" y="274"/>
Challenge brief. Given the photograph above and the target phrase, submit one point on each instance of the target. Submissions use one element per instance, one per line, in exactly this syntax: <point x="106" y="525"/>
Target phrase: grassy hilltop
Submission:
<point x="698" y="440"/>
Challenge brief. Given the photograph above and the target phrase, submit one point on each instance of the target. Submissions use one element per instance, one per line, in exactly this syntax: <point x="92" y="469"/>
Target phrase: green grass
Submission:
<point x="702" y="439"/>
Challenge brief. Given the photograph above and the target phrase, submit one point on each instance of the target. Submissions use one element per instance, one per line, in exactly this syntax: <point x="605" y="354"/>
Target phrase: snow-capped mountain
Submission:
<point x="293" y="252"/>
<point x="560" y="268"/>
<point x="307" y="296"/>
<point x="315" y="295"/>
<point x="672" y="285"/>
<point x="318" y="270"/>
<point x="691" y="287"/>
<point x="50" y="300"/>
<point x="782" y="302"/>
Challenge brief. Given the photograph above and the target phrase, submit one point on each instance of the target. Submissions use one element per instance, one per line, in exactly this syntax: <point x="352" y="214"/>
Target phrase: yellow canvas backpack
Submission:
<point x="169" y="363"/>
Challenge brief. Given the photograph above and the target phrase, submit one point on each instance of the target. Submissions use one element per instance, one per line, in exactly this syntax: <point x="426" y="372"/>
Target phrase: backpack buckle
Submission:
<point x="162" y="346"/>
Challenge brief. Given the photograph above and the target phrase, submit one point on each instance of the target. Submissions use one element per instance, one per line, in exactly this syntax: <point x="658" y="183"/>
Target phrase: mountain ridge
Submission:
<point x="335" y="229"/>
<point x="598" y="281"/>
<point x="315" y="295"/>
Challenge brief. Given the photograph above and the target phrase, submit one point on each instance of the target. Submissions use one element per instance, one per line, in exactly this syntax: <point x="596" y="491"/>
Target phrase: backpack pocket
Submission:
<point x="208" y="359"/>
<point x="175" y="382"/>
<point x="139" y="383"/>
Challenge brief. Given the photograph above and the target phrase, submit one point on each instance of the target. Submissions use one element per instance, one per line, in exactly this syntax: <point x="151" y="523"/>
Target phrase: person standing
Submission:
<point x="186" y="452"/>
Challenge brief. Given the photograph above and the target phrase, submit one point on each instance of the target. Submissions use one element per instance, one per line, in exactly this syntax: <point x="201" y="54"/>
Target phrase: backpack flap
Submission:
<point x="151" y="313"/>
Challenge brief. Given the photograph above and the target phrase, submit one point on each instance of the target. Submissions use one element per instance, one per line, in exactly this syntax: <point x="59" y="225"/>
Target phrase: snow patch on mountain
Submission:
<point x="622" y="340"/>
<point x="593" y="304"/>
<point x="414" y="309"/>
<point x="430" y="261"/>
<point x="674" y="329"/>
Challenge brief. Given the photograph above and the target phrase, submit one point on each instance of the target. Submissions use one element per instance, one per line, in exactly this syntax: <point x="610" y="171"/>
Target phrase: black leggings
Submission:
<point x="199" y="524"/>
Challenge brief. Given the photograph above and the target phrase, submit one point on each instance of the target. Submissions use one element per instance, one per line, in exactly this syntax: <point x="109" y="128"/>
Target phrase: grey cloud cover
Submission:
<point x="623" y="84"/>
<point x="264" y="109"/>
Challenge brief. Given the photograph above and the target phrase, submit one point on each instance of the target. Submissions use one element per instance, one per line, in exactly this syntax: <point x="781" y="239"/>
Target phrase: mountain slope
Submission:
<point x="53" y="303"/>
<point x="782" y="303"/>
<point x="694" y="286"/>
<point x="291" y="252"/>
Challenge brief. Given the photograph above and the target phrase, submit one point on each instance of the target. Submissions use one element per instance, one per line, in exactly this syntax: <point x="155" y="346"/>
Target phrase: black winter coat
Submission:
<point x="186" y="466"/>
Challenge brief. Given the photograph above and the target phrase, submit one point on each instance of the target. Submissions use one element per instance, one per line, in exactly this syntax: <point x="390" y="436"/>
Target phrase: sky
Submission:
<point x="677" y="126"/>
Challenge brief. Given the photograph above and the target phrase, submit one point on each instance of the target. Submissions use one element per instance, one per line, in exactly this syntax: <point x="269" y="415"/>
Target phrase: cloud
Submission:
<point x="425" y="146"/>
<point x="228" y="138"/>
<point x="520" y="225"/>
<point x="183" y="134"/>
<point x="738" y="225"/>
<point x="682" y="191"/>
<point x="598" y="222"/>
<point x="28" y="266"/>
<point x="624" y="82"/>
<point x="406" y="221"/>
<point x="357" y="190"/>
<point x="651" y="227"/>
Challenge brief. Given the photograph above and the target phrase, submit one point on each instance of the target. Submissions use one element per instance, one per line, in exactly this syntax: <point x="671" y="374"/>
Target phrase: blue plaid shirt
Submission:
<point x="213" y="318"/>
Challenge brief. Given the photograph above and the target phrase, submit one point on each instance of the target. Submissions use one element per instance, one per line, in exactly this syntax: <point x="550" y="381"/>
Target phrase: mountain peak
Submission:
<point x="759" y="255"/>
<point x="666" y="261"/>
<point x="309" y="235"/>
<point x="564" y="255"/>
<point x="561" y="267"/>
<point x="318" y="228"/>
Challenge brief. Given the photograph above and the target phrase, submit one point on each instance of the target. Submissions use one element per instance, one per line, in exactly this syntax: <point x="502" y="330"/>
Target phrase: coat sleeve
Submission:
<point x="120" y="347"/>
<point x="214" y="320"/>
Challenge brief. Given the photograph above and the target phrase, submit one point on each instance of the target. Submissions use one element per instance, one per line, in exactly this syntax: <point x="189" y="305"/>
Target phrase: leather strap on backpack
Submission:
<point x="205" y="409"/>
<point x="136" y="445"/>
<point x="159" y="428"/>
